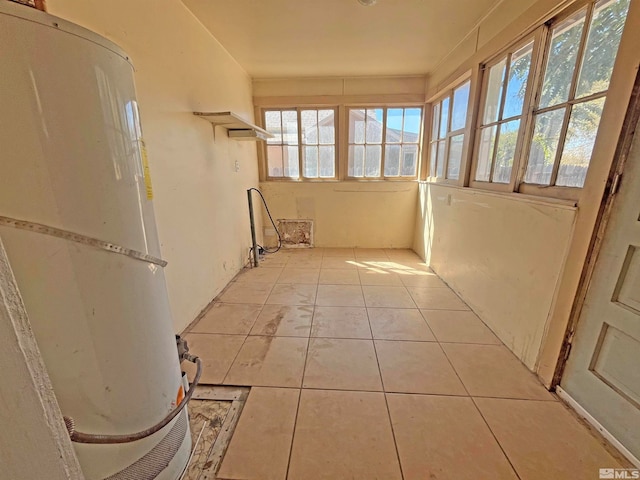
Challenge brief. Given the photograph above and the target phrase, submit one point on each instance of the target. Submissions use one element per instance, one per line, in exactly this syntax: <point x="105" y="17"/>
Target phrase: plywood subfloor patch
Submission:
<point x="213" y="414"/>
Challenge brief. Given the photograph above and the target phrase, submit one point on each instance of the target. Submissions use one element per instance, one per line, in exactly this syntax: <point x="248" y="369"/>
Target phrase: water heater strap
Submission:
<point x="76" y="237"/>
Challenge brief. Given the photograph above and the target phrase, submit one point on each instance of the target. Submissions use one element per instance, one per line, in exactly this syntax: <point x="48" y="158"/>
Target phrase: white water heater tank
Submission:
<point x="73" y="168"/>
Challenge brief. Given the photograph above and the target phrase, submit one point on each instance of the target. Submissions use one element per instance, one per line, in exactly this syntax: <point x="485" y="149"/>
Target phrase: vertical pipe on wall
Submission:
<point x="254" y="243"/>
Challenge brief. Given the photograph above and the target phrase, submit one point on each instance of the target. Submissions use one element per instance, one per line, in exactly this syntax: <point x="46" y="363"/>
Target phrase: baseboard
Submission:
<point x="569" y="400"/>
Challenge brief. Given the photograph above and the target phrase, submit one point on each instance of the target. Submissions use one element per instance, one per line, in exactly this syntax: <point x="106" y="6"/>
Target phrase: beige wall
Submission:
<point x="553" y="312"/>
<point x="502" y="253"/>
<point x="200" y="198"/>
<point x="349" y="214"/>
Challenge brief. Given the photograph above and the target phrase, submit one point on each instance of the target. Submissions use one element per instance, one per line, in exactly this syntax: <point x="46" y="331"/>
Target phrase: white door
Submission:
<point x="603" y="370"/>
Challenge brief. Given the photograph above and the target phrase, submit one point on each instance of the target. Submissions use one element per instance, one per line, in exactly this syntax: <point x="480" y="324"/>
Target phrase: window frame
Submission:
<point x="551" y="190"/>
<point x="301" y="178"/>
<point x="525" y="117"/>
<point x="465" y="130"/>
<point x="383" y="144"/>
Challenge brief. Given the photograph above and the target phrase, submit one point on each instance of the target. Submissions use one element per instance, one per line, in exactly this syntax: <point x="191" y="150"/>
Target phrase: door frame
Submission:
<point x="615" y="177"/>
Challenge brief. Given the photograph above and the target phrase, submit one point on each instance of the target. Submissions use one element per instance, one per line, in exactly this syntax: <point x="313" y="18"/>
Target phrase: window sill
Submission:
<point x="520" y="197"/>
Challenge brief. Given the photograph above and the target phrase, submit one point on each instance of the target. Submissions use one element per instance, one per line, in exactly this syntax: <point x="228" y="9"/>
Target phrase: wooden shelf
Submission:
<point x="236" y="127"/>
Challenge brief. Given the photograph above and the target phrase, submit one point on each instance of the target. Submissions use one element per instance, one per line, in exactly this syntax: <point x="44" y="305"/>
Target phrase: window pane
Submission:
<point x="309" y="122"/>
<point x="356" y="126"/>
<point x="310" y="162"/>
<point x="544" y="145"/>
<point x="412" y="124"/>
<point x="274" y="161"/>
<point x="602" y="46"/>
<point x="356" y="161"/>
<point x="392" y="161"/>
<point x="433" y="158"/>
<point x="436" y="121"/>
<point x="440" y="163"/>
<point x="409" y="160"/>
<point x="394" y="125"/>
<point x="273" y="126"/>
<point x="459" y="109"/>
<point x="291" y="162"/>
<point x="374" y="125"/>
<point x="290" y="127"/>
<point x="517" y="84"/>
<point x="444" y="120"/>
<point x="494" y="92"/>
<point x="506" y="151"/>
<point x="455" y="156"/>
<point x="581" y="135"/>
<point x="373" y="159"/>
<point x="327" y="162"/>
<point x="485" y="153"/>
<point x="563" y="52"/>
<point x="327" y="127"/>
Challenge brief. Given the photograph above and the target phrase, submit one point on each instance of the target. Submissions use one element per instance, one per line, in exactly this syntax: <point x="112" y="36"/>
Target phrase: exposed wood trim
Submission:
<point x="402" y="99"/>
<point x="621" y="155"/>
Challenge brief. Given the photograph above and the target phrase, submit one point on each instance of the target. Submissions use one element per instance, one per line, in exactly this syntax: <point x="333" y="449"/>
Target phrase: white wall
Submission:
<point x="349" y="214"/>
<point x="34" y="442"/>
<point x="502" y="253"/>
<point x="200" y="198"/>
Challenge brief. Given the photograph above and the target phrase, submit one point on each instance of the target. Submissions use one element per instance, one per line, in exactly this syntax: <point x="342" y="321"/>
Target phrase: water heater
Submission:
<point x="77" y="221"/>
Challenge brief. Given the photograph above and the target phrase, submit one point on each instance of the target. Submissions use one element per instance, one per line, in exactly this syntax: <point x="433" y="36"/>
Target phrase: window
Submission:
<point x="304" y="143"/>
<point x="384" y="142"/>
<point x="505" y="88"/>
<point x="580" y="55"/>
<point x="447" y="133"/>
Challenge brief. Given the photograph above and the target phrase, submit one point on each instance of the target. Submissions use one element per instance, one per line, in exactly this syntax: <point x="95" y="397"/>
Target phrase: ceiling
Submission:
<point x="315" y="38"/>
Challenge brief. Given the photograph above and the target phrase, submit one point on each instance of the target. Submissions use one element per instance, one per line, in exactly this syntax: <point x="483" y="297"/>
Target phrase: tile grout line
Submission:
<point x="384" y="395"/>
<point x="481" y="415"/>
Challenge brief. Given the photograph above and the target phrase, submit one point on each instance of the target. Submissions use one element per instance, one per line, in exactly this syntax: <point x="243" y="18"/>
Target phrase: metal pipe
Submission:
<point x="253" y="229"/>
<point x="80" y="437"/>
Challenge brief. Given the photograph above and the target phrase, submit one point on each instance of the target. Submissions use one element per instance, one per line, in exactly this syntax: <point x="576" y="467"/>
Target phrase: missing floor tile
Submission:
<point x="213" y="415"/>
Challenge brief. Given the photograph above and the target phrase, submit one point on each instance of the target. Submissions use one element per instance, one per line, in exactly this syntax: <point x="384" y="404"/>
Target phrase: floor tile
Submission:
<point x="255" y="293"/>
<point x="299" y="275"/>
<point x="493" y="371"/>
<point x="436" y="298"/>
<point x="269" y="362"/>
<point x="385" y="296"/>
<point x="216" y="352"/>
<point x="284" y="321"/>
<point x="445" y="438"/>
<point x="459" y="327"/>
<point x="399" y="324"/>
<point x="305" y="262"/>
<point x="416" y="367"/>
<point x="339" y="276"/>
<point x="422" y="279"/>
<point x="375" y="276"/>
<point x="228" y="318"/>
<point x="341" y="322"/>
<point x="338" y="252"/>
<point x="343" y="435"/>
<point x="272" y="261"/>
<point x="339" y="262"/>
<point x="290" y="294"/>
<point x="544" y="440"/>
<point x="370" y="252"/>
<point x="261" y="442"/>
<point x="259" y="275"/>
<point x="340" y="296"/>
<point x="342" y="365"/>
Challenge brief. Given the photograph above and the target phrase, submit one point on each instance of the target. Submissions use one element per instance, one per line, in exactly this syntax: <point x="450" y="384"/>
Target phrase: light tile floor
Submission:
<point x="365" y="365"/>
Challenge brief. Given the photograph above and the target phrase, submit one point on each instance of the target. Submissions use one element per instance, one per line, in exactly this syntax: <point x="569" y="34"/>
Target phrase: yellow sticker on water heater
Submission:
<point x="145" y="170"/>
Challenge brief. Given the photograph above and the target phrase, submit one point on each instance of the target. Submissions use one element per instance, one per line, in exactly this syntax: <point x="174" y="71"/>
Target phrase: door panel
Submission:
<point x="603" y="370"/>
